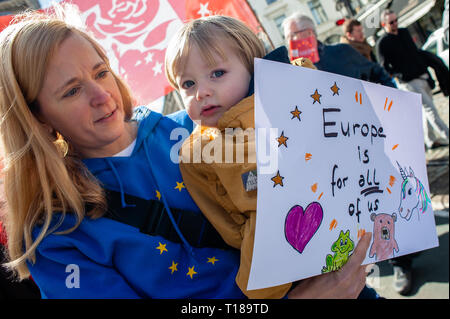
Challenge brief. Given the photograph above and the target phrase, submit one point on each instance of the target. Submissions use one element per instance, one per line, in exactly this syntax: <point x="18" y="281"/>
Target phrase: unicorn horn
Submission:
<point x="402" y="172"/>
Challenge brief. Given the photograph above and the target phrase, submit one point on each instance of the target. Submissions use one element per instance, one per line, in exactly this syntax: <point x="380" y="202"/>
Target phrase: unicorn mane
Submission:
<point x="424" y="198"/>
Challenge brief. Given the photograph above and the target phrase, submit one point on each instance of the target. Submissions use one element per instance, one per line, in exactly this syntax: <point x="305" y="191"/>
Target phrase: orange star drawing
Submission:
<point x="282" y="139"/>
<point x="316" y="96"/>
<point x="277" y="179"/>
<point x="296" y="113"/>
<point x="308" y="156"/>
<point x="335" y="89"/>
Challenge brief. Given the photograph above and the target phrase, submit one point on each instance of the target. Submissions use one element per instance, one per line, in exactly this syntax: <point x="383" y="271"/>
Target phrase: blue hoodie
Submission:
<point x="104" y="258"/>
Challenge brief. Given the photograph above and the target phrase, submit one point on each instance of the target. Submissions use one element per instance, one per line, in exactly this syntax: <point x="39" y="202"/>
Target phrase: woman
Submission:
<point x="96" y="208"/>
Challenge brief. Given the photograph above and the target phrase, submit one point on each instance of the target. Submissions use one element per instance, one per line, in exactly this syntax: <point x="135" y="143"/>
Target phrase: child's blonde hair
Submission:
<point x="210" y="34"/>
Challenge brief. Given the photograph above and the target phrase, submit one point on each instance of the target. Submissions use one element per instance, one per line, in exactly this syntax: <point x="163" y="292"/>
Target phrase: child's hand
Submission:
<point x="342" y="284"/>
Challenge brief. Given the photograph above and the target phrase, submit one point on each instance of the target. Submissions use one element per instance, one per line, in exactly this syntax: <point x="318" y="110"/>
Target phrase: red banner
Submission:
<point x="234" y="8"/>
<point x="4" y="21"/>
<point x="135" y="34"/>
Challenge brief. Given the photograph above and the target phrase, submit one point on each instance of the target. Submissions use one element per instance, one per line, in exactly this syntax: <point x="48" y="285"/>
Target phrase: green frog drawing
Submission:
<point x="342" y="248"/>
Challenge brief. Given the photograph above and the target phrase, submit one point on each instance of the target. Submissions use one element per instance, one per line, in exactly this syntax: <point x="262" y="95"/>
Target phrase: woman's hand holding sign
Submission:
<point x="342" y="284"/>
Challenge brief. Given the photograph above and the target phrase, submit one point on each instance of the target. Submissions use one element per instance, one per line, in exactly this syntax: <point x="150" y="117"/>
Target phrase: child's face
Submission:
<point x="209" y="91"/>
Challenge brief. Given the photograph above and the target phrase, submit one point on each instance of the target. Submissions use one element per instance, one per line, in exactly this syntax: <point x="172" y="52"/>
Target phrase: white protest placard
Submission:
<point x="336" y="157"/>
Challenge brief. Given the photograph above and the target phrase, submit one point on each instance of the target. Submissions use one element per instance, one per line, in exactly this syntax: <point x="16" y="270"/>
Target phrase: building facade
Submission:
<point x="325" y="13"/>
<point x="420" y="16"/>
<point x="13" y="6"/>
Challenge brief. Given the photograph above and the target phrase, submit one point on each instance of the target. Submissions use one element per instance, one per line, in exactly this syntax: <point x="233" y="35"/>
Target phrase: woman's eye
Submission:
<point x="102" y="74"/>
<point x="218" y="73"/>
<point x="71" y="92"/>
<point x="187" y="84"/>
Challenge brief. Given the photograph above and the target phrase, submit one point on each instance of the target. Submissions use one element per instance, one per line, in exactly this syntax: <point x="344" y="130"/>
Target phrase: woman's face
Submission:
<point x="81" y="100"/>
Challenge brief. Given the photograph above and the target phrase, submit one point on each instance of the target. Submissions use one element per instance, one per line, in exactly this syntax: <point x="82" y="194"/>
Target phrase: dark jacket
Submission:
<point x="344" y="60"/>
<point x="399" y="55"/>
<point x="440" y="69"/>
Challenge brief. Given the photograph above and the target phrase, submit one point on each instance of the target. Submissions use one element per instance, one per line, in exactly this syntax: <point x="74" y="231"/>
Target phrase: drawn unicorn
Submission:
<point x="413" y="195"/>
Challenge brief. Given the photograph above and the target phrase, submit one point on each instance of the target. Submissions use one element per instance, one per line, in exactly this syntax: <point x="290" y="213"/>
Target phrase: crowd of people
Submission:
<point x="397" y="63"/>
<point x="89" y="183"/>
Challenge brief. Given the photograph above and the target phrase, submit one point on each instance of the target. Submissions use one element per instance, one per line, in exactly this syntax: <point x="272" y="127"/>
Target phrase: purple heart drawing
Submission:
<point x="300" y="226"/>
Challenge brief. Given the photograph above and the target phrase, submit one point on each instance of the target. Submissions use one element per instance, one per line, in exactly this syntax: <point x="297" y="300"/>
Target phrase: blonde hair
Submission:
<point x="211" y="34"/>
<point x="38" y="180"/>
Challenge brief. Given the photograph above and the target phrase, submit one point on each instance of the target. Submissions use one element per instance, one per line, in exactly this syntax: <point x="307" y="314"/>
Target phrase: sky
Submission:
<point x="46" y="3"/>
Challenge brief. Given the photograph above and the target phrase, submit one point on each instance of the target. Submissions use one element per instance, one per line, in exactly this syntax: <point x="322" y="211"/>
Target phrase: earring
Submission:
<point x="61" y="144"/>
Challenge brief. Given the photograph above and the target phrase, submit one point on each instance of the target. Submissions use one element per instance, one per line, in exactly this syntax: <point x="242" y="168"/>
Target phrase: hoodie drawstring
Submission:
<point x="122" y="193"/>
<point x="169" y="212"/>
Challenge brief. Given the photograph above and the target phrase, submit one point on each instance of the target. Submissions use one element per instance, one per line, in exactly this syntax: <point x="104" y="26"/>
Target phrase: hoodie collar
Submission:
<point x="146" y="127"/>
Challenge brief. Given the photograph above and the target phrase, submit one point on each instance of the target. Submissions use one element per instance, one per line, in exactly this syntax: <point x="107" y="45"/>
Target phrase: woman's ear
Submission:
<point x="40" y="118"/>
<point x="48" y="127"/>
<point x="44" y="124"/>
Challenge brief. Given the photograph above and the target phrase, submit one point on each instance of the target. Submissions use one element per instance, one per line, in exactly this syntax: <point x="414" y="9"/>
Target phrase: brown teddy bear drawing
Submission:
<point x="384" y="242"/>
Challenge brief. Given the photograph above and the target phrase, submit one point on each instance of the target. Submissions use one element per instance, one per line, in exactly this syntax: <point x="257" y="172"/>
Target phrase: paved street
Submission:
<point x="431" y="267"/>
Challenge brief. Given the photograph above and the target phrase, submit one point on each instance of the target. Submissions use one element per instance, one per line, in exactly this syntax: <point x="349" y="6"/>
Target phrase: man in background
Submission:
<point x="398" y="54"/>
<point x="354" y="36"/>
<point x="338" y="58"/>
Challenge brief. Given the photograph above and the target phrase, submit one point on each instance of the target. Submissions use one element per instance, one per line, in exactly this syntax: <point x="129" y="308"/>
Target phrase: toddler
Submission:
<point x="210" y="62"/>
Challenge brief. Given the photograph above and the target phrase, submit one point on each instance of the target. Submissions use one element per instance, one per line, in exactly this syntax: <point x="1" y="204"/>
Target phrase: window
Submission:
<point x="356" y="5"/>
<point x="444" y="44"/>
<point x="278" y="22"/>
<point x="270" y="1"/>
<point x="317" y="11"/>
<point x="432" y="47"/>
